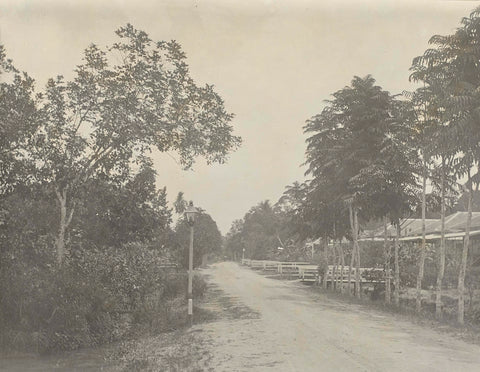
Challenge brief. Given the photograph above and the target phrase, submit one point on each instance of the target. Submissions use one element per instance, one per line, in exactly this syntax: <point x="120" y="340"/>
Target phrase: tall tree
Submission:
<point x="389" y="182"/>
<point x="453" y="59"/>
<point x="420" y="100"/>
<point x="125" y="100"/>
<point x="439" y="148"/>
<point x="346" y="142"/>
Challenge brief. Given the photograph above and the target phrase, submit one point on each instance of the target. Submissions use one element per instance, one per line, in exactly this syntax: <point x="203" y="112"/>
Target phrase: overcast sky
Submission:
<point x="273" y="62"/>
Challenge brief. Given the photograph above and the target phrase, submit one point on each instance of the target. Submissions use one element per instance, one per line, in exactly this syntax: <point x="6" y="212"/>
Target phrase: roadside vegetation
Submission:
<point x="375" y="159"/>
<point x="89" y="253"/>
<point x="182" y="349"/>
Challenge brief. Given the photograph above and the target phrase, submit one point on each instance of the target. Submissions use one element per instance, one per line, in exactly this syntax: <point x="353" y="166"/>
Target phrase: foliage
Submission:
<point x="292" y="204"/>
<point x="124" y="101"/>
<point x="359" y="157"/>
<point x="451" y="68"/>
<point x="111" y="282"/>
<point x="20" y="116"/>
<point x="77" y="186"/>
<point x="261" y="231"/>
<point x="358" y="150"/>
<point x="98" y="296"/>
<point x="207" y="239"/>
<point x="234" y="245"/>
<point x="115" y="214"/>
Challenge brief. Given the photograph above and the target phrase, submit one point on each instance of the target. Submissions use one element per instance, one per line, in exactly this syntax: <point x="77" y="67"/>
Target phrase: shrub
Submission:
<point x="96" y="297"/>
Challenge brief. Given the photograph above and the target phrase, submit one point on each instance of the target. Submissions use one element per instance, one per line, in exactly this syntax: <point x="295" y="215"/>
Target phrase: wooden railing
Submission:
<point x="309" y="272"/>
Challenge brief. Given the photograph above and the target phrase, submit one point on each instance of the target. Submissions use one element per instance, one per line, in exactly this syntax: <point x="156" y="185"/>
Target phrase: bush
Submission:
<point x="96" y="297"/>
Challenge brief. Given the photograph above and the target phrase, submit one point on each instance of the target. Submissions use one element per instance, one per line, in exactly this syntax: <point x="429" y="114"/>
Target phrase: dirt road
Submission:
<point x="294" y="330"/>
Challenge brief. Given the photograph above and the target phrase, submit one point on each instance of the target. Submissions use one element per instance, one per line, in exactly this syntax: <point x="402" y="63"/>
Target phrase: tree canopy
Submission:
<point x="124" y="101"/>
<point x="207" y="238"/>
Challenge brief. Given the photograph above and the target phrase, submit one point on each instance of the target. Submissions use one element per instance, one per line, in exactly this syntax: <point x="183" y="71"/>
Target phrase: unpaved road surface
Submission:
<point x="293" y="329"/>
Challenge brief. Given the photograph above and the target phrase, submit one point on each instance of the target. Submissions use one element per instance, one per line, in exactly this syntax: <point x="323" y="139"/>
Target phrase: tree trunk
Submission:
<point x="463" y="266"/>
<point x="386" y="250"/>
<point x="64" y="222"/>
<point x="352" y="258"/>
<point x="335" y="266"/>
<point x="60" y="239"/>
<point x="423" y="247"/>
<point x="342" y="265"/>
<point x="325" y="276"/>
<point x="441" y="258"/>
<point x="350" y="269"/>
<point x="396" y="293"/>
<point x="357" y="258"/>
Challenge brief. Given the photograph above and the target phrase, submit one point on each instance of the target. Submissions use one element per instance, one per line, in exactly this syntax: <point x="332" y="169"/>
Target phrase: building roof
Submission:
<point x="411" y="228"/>
<point x="457" y="222"/>
<point x="437" y="236"/>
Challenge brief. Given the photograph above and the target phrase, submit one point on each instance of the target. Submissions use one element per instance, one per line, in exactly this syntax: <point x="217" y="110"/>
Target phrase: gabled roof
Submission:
<point x="457" y="222"/>
<point x="437" y="236"/>
<point x="409" y="227"/>
<point x="413" y="226"/>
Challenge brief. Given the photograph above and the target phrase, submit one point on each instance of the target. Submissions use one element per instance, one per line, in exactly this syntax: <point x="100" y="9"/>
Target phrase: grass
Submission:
<point x="470" y="332"/>
<point x="183" y="349"/>
<point x="164" y="342"/>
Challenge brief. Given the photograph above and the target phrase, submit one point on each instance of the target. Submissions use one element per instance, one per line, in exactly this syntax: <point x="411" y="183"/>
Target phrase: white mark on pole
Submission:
<point x="190" y="306"/>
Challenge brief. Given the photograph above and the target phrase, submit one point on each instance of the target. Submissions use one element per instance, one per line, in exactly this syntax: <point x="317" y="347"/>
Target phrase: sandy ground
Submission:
<point x="293" y="330"/>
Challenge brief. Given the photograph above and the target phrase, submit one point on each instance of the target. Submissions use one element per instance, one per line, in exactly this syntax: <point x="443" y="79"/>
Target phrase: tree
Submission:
<point x="435" y="145"/>
<point x="453" y="60"/>
<point x="207" y="238"/>
<point x="261" y="231"/>
<point x="233" y="241"/>
<point x="461" y="205"/>
<point x="292" y="210"/>
<point x="112" y="215"/>
<point x="347" y="141"/>
<point x="124" y="101"/>
<point x="324" y="214"/>
<point x="389" y="182"/>
<point x="420" y="135"/>
<point x="180" y="204"/>
<point x="19" y="121"/>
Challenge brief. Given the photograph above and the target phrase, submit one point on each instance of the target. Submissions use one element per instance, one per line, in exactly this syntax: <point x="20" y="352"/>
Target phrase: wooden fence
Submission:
<point x="308" y="272"/>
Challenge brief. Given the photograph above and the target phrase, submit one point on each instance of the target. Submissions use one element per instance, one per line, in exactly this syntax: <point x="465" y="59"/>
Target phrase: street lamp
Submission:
<point x="190" y="217"/>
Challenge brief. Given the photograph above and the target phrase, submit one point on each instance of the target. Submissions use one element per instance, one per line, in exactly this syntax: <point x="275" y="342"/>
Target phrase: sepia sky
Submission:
<point x="273" y="62"/>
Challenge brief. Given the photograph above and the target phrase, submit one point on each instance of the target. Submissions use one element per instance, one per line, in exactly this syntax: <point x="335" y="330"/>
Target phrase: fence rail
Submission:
<point x="308" y="272"/>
